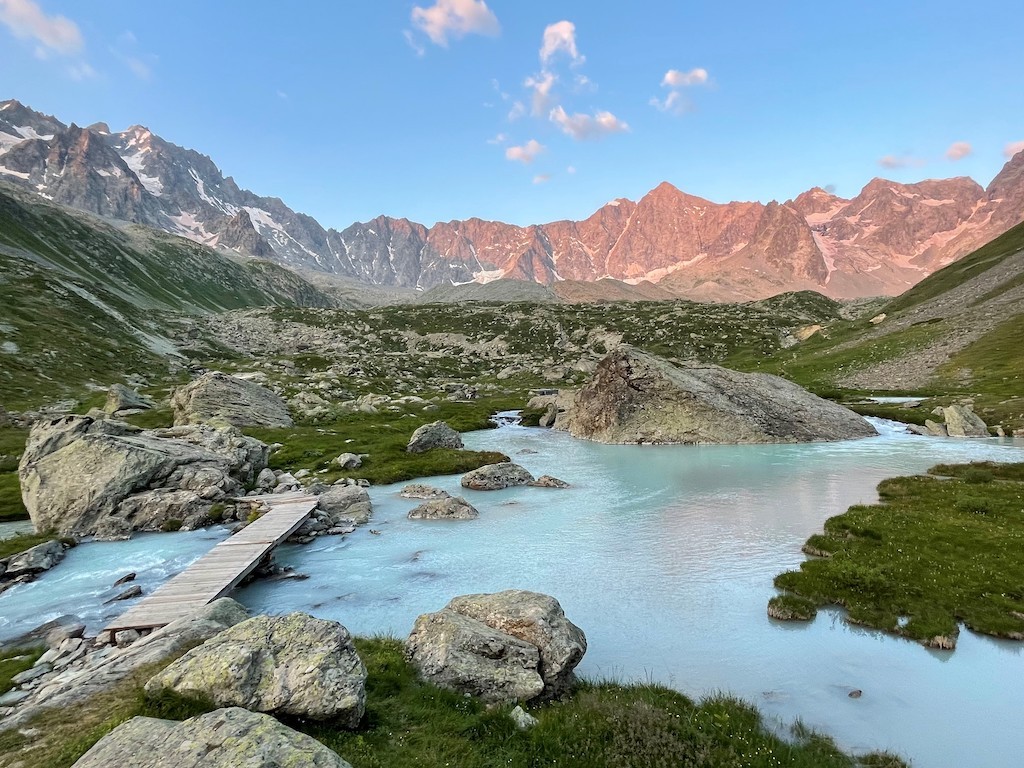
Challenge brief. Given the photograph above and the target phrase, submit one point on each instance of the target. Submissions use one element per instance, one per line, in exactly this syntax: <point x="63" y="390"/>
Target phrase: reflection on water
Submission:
<point x="665" y="556"/>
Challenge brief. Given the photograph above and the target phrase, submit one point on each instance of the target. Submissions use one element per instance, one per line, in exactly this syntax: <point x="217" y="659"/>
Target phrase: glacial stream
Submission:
<point x="665" y="557"/>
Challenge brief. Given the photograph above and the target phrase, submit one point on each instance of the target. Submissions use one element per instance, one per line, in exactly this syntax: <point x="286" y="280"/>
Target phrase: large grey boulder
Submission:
<point x="445" y="508"/>
<point x="346" y="503"/>
<point x="494" y="477"/>
<point x="121" y="398"/>
<point x="461" y="654"/>
<point x="41" y="557"/>
<point x="294" y="665"/>
<point x="962" y="421"/>
<point x="635" y="397"/>
<point x="435" y="435"/>
<point x="218" y="397"/>
<point x="225" y="738"/>
<point x="86" y="477"/>
<point x="537" y="619"/>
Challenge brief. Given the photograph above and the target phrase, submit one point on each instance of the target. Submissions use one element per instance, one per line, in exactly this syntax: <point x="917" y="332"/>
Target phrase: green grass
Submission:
<point x="14" y="662"/>
<point x="22" y="541"/>
<point x="935" y="552"/>
<point x="12" y="444"/>
<point x="410" y="723"/>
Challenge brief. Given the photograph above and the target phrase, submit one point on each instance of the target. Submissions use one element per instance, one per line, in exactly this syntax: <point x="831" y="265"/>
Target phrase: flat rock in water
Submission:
<point x="41" y="557"/>
<point x="494" y="477"/>
<point x="420" y="491"/>
<point x="447" y="508"/>
<point x="225" y="738"/>
<point x="635" y="397"/>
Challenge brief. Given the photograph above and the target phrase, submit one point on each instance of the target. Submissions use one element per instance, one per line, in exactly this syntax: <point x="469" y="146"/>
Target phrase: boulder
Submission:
<point x="494" y="477"/>
<point x="217" y="396"/>
<point x="962" y="421"/>
<point x="420" y="491"/>
<point x="224" y="738"/>
<point x="41" y="557"/>
<point x="448" y="508"/>
<point x="935" y="429"/>
<point x="434" y="435"/>
<point x="467" y="656"/>
<point x="345" y="503"/>
<point x="547" y="481"/>
<point x="294" y="665"/>
<point x="122" y="398"/>
<point x="537" y="619"/>
<point x="349" y="461"/>
<point x="635" y="397"/>
<point x="266" y="480"/>
<point x="86" y="477"/>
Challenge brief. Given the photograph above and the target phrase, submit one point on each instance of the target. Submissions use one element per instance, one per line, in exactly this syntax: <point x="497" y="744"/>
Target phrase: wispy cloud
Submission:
<point x="958" y="150"/>
<point x="560" y="37"/>
<point x="542" y="178"/>
<point x="81" y="71"/>
<point x="582" y="126"/>
<point x="501" y="138"/>
<point x="28" y="21"/>
<point x="127" y="52"/>
<point x="447" y="19"/>
<point x="675" y="80"/>
<point x="525" y="153"/>
<point x="892" y="162"/>
<point x="541" y="85"/>
<point x="1012" y="148"/>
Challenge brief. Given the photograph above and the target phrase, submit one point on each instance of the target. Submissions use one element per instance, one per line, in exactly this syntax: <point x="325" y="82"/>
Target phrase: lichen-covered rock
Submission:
<point x="537" y="619"/>
<point x="349" y="461"/>
<point x="225" y="738"/>
<point x="465" y="655"/>
<point x="217" y="396"/>
<point x="962" y="421"/>
<point x="346" y="503"/>
<point x="635" y="397"/>
<point x="294" y="665"/>
<point x="447" y="508"/>
<point x="435" y="435"/>
<point x="121" y="398"/>
<point x="420" y="491"/>
<point x="494" y="477"/>
<point x="86" y="477"/>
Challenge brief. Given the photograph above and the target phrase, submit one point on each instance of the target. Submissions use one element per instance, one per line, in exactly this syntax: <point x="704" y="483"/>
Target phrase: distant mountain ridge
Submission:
<point x="881" y="242"/>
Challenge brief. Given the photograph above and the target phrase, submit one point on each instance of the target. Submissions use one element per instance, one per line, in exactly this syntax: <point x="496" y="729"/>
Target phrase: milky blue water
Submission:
<point x="665" y="556"/>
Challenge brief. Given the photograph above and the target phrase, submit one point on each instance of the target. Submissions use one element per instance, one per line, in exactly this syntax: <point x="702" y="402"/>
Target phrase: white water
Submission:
<point x="665" y="556"/>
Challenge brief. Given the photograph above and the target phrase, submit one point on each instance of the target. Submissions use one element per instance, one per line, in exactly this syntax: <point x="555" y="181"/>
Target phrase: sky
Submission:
<point x="528" y="111"/>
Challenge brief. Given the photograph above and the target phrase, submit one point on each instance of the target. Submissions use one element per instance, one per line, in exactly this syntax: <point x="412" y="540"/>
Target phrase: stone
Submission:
<point x="217" y="396"/>
<point x="962" y="421"/>
<point x="33" y="673"/>
<point x="130" y="576"/>
<point x="349" y="461"/>
<point x="13" y="698"/>
<point x="266" y="479"/>
<point x="294" y="665"/>
<point x="105" y="478"/>
<point x="122" y="398"/>
<point x="494" y="477"/>
<point x="133" y="591"/>
<point x="464" y="655"/>
<point x="524" y="721"/>
<point x="935" y="429"/>
<point x="41" y="557"/>
<point x="537" y="619"/>
<point x="547" y="481"/>
<point x="57" y="636"/>
<point x="125" y="637"/>
<point x="634" y="397"/>
<point x="434" y="435"/>
<point x="449" y="508"/>
<point x="224" y="738"/>
<point x="345" y="502"/>
<point x="420" y="491"/>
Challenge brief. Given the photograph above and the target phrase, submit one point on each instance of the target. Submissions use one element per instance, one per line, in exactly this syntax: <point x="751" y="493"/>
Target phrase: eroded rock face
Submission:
<point x="447" y="508"/>
<point x="494" y="477"/>
<point x="86" y="477"/>
<point x="225" y="738"/>
<point x="218" y="397"/>
<point x="634" y="397"/>
<point x="435" y="435"/>
<point x="294" y="665"/>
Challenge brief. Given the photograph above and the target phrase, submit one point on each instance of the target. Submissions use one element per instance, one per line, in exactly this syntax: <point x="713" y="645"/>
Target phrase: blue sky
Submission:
<point x="527" y="111"/>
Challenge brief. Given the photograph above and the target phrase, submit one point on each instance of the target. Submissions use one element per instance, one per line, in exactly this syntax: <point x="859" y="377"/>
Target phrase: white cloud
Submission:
<point x="958" y="150"/>
<point x="541" y="178"/>
<point x="675" y="78"/>
<point x="27" y="20"/>
<point x="455" y="18"/>
<point x="501" y="138"/>
<point x="517" y="111"/>
<point x="415" y="44"/>
<point x="541" y="85"/>
<point x="560" y="36"/>
<point x="525" y="153"/>
<point x="571" y="170"/>
<point x="900" y="161"/>
<point x="1012" y="148"/>
<point x="81" y="71"/>
<point x="582" y="126"/>
<point x="675" y="102"/>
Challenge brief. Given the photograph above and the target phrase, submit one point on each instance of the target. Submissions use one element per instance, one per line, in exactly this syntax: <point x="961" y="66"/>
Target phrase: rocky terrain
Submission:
<point x="881" y="242"/>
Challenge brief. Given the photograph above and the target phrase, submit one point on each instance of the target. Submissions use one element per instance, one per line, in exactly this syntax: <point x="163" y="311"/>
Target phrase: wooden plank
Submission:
<point x="222" y="568"/>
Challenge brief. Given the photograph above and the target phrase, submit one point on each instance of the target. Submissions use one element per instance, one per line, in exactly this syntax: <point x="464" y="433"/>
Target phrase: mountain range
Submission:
<point x="884" y="240"/>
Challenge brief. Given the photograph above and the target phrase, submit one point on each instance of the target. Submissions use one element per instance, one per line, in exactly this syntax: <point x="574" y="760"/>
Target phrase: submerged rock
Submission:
<point x="494" y="477"/>
<point x="635" y="397"/>
<point x="225" y="738"/>
<point x="447" y="508"/>
<point x="435" y="435"/>
<point x="547" y="481"/>
<point x="217" y="396"/>
<point x="420" y="491"/>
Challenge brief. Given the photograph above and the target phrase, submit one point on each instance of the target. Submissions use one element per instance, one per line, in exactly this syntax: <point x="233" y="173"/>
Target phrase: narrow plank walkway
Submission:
<point x="220" y="570"/>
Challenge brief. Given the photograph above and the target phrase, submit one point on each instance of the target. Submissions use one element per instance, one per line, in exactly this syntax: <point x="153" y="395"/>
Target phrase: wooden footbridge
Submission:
<point x="219" y="571"/>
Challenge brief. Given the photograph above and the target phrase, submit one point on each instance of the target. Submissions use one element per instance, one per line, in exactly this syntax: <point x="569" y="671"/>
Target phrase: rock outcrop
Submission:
<point x="86" y="477"/>
<point x="494" y="477"/>
<point x="294" y="665"/>
<point x="225" y="738"/>
<point x="121" y="398"/>
<point x="962" y="421"/>
<point x="41" y="557"/>
<point x="434" y="435"/>
<point x="446" y="508"/>
<point x="635" y="397"/>
<point x="218" y="397"/>
<point x="502" y="647"/>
